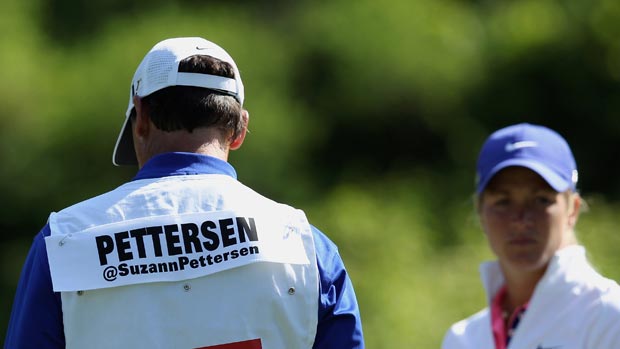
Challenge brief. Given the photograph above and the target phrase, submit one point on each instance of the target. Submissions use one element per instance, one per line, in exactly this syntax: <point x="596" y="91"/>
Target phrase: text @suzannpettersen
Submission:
<point x="134" y="246"/>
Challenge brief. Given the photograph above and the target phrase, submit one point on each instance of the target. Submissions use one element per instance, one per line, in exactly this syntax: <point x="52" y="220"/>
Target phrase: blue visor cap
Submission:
<point x="538" y="148"/>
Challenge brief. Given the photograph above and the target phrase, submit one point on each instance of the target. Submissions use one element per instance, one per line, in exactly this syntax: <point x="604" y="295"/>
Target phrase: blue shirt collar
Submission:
<point x="180" y="164"/>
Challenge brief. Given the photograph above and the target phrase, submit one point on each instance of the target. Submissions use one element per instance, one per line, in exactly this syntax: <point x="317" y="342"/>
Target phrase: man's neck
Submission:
<point x="203" y="141"/>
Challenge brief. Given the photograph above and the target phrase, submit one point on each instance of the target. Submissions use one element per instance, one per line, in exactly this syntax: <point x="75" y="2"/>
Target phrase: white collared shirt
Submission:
<point x="572" y="307"/>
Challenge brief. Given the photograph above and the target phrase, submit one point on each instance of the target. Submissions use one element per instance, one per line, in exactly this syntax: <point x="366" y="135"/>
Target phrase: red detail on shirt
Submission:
<point x="502" y="330"/>
<point x="251" y="344"/>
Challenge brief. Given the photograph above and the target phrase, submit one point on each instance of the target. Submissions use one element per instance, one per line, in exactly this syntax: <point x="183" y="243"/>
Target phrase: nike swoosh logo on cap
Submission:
<point x="510" y="147"/>
<point x="202" y="48"/>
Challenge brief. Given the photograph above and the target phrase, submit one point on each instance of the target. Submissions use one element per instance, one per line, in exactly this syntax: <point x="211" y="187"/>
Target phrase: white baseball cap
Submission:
<point x="160" y="69"/>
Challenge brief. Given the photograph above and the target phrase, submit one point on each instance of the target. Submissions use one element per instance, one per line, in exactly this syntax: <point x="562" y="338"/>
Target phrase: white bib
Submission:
<point x="190" y="262"/>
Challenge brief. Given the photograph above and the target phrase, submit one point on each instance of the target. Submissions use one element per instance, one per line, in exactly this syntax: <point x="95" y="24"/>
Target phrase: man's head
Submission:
<point x="183" y="85"/>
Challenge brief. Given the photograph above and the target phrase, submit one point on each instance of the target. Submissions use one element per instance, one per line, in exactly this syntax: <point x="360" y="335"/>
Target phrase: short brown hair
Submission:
<point x="186" y="108"/>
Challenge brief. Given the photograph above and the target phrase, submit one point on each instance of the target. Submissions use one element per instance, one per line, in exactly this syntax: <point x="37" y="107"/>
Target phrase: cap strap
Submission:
<point x="207" y="81"/>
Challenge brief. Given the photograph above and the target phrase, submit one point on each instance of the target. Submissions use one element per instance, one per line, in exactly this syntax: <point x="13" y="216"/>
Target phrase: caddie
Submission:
<point x="542" y="293"/>
<point x="183" y="255"/>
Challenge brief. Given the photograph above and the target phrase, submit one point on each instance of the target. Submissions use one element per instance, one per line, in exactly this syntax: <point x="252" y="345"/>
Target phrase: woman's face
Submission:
<point x="525" y="220"/>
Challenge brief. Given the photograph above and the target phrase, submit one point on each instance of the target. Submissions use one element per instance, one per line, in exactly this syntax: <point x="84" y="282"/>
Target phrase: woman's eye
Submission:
<point x="501" y="202"/>
<point x="545" y="200"/>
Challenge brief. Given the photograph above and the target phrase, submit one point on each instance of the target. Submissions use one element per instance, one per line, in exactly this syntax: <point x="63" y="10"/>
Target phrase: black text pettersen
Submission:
<point x="176" y="239"/>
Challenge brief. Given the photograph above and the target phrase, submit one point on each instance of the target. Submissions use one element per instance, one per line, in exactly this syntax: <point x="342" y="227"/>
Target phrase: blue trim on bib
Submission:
<point x="182" y="164"/>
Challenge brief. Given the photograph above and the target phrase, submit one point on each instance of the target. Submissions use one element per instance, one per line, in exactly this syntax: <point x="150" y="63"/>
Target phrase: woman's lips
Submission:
<point x="522" y="240"/>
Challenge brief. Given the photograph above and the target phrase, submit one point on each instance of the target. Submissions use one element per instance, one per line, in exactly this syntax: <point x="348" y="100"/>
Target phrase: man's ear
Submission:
<point x="238" y="140"/>
<point x="142" y="123"/>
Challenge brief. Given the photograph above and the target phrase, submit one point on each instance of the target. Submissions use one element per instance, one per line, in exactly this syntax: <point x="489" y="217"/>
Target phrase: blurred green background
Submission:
<point x="366" y="114"/>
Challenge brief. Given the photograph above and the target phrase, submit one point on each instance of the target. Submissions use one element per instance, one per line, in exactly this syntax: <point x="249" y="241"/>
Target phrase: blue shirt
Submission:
<point x="36" y="317"/>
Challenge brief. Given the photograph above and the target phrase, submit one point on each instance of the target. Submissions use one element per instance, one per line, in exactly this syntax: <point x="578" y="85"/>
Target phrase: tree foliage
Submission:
<point x="368" y="114"/>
